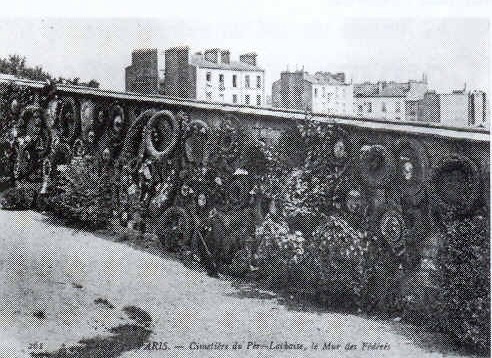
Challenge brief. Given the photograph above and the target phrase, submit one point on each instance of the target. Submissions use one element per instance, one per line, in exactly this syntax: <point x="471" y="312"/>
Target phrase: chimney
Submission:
<point x="249" y="58"/>
<point x="339" y="76"/>
<point x="225" y="56"/>
<point x="381" y="85"/>
<point x="212" y="55"/>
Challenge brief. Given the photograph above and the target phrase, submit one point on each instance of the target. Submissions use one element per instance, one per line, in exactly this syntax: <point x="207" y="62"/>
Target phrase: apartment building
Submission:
<point x="213" y="77"/>
<point x="322" y="92"/>
<point x="394" y="101"/>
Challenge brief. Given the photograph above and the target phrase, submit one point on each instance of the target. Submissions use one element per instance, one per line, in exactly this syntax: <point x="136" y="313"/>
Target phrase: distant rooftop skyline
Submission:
<point x="451" y="52"/>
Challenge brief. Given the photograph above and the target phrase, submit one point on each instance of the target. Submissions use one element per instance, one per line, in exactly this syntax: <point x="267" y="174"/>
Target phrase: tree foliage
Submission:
<point x="464" y="302"/>
<point x="16" y="65"/>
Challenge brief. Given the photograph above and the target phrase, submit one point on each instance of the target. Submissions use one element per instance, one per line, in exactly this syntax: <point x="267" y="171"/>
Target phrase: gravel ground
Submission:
<point x="59" y="285"/>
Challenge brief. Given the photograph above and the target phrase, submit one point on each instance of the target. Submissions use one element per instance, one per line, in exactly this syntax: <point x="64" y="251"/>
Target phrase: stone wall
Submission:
<point x="417" y="169"/>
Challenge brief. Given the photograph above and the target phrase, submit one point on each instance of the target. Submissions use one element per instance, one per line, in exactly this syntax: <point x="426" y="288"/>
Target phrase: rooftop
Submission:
<point x="412" y="90"/>
<point x="418" y="128"/>
<point x="323" y="78"/>
<point x="199" y="61"/>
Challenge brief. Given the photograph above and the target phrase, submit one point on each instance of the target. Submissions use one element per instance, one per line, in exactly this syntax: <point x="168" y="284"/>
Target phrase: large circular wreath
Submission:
<point x="161" y="134"/>
<point x="239" y="190"/>
<point x="87" y="118"/>
<point x="196" y="142"/>
<point x="100" y="120"/>
<point x="68" y="122"/>
<point x="349" y="196"/>
<point x="27" y="121"/>
<point x="376" y="166"/>
<point x="454" y="184"/>
<point x="117" y="128"/>
<point x="134" y="137"/>
<point x="230" y="128"/>
<point x="412" y="169"/>
<point x="341" y="146"/>
<point x="388" y="223"/>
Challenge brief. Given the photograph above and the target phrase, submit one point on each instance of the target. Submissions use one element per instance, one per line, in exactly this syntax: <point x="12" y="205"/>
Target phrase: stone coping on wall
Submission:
<point x="417" y="128"/>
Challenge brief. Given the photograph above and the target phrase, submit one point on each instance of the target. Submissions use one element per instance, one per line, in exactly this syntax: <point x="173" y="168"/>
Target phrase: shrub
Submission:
<point x="278" y="251"/>
<point x="342" y="253"/>
<point x="21" y="197"/>
<point x="82" y="194"/>
<point x="464" y="300"/>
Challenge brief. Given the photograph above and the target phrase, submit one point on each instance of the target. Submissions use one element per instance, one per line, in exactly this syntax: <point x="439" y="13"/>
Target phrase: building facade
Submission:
<point x="479" y="109"/>
<point x="323" y="92"/>
<point x="142" y="76"/>
<point x="292" y="91"/>
<point x="394" y="101"/>
<point x="456" y="109"/>
<point x="431" y="107"/>
<point x="213" y="77"/>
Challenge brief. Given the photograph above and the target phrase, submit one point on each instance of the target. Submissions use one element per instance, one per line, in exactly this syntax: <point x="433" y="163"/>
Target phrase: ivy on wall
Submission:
<point x="316" y="210"/>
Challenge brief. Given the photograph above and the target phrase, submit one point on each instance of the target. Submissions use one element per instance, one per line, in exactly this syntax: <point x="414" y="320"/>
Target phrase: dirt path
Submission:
<point x="59" y="285"/>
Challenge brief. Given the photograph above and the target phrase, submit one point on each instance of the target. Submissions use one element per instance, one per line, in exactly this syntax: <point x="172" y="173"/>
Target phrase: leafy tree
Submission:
<point x="16" y="65"/>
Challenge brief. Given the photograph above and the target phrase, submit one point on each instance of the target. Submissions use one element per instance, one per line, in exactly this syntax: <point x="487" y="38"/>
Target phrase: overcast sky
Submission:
<point x="450" y="51"/>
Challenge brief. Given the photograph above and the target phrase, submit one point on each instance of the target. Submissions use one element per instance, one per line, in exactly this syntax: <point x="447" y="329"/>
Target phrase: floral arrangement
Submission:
<point x="343" y="253"/>
<point x="278" y="250"/>
<point x="80" y="194"/>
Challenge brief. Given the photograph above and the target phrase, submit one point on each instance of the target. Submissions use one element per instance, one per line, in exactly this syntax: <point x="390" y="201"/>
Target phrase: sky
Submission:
<point x="373" y="46"/>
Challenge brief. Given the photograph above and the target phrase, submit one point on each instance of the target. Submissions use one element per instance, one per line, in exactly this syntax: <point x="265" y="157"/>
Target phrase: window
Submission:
<point x="234" y="80"/>
<point x="258" y="81"/>
<point x="221" y="82"/>
<point x="221" y="97"/>
<point x="234" y="98"/>
<point x="246" y="81"/>
<point x="323" y="91"/>
<point x="246" y="99"/>
<point x="315" y="92"/>
<point x="369" y="107"/>
<point x="209" y="76"/>
<point x="258" y="100"/>
<point x="209" y="96"/>
<point x="360" y="108"/>
<point x="398" y="107"/>
<point x="383" y="107"/>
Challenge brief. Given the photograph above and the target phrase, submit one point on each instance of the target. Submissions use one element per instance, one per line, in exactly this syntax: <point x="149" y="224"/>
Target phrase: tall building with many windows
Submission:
<point x="213" y="77"/>
<point x="394" y="101"/>
<point x="323" y="92"/>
